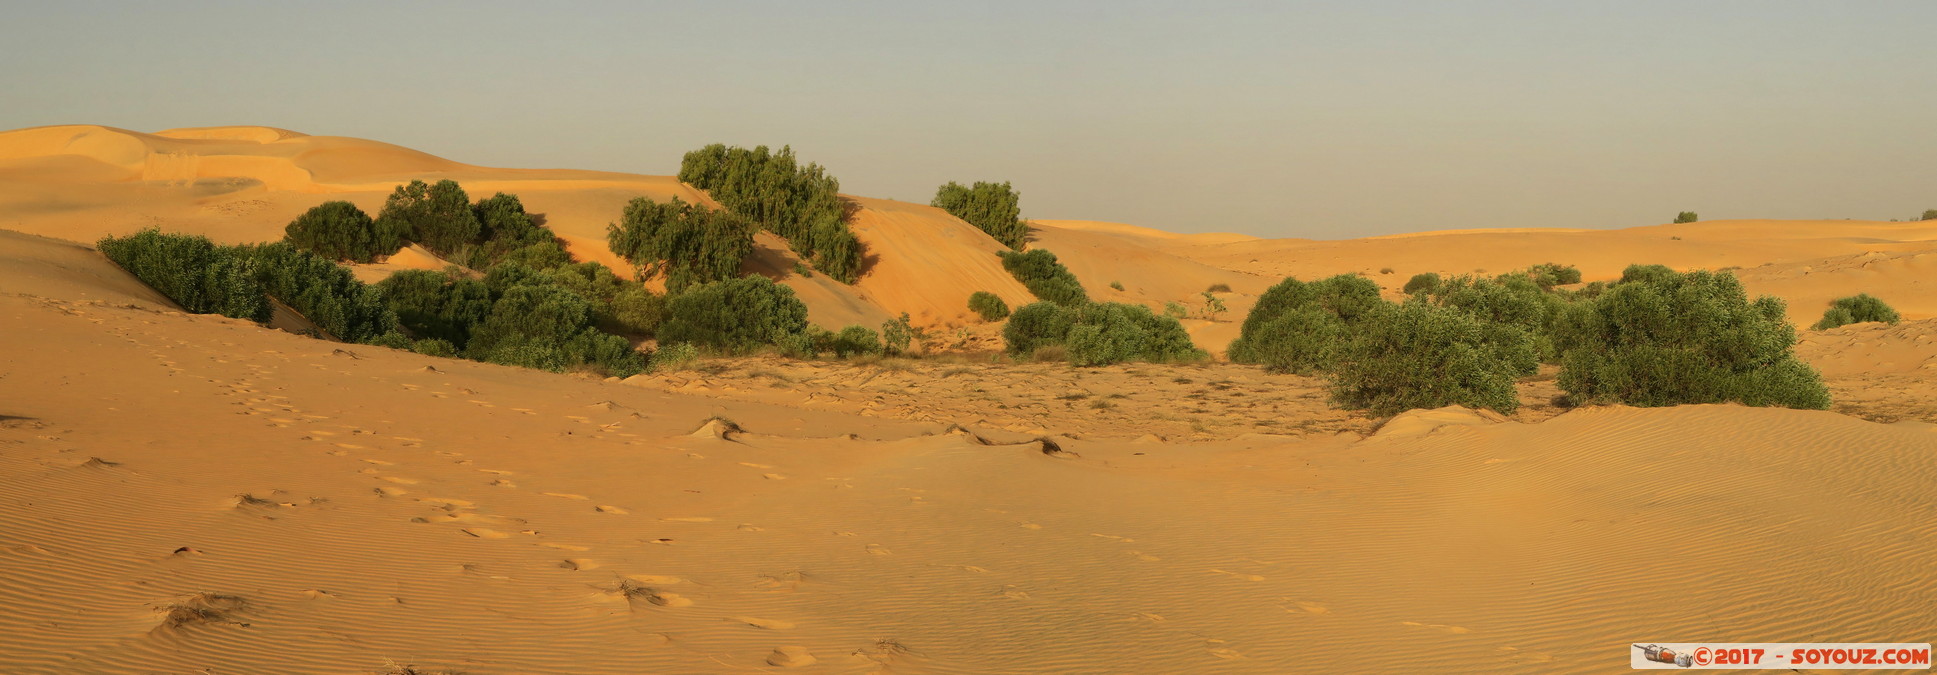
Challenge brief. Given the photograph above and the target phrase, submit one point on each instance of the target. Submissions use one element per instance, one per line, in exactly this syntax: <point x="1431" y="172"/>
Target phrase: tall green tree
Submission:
<point x="993" y="207"/>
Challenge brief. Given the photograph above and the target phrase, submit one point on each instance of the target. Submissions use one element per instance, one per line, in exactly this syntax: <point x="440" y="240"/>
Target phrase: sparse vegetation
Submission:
<point x="1686" y="217"/>
<point x="1929" y="214"/>
<point x="988" y="305"/>
<point x="675" y="356"/>
<point x="1858" y="308"/>
<point x="772" y="189"/>
<point x="1039" y="271"/>
<point x="897" y="335"/>
<point x="993" y="207"/>
<point x="1218" y="288"/>
<point x="855" y="341"/>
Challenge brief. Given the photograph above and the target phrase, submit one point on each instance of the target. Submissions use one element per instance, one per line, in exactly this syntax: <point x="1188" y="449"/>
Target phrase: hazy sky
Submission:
<point x="1310" y="119"/>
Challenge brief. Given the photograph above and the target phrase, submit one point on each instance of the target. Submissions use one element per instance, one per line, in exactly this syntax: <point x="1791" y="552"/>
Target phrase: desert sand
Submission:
<point x="187" y="494"/>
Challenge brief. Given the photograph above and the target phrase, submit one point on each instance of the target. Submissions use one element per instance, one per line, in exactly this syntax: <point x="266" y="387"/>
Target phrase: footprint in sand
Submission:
<point x="1307" y="607"/>
<point x="379" y="462"/>
<point x="877" y="549"/>
<point x="768" y="624"/>
<point x="565" y="495"/>
<point x="565" y="547"/>
<point x="1219" y="649"/>
<point x="1030" y="526"/>
<point x="1140" y="555"/>
<point x="401" y="481"/>
<point x="791" y="656"/>
<point x="688" y="519"/>
<point x="1456" y="630"/>
<point x="390" y="492"/>
<point x="1238" y="575"/>
<point x="610" y="509"/>
<point x="748" y="527"/>
<point x="775" y="476"/>
<point x="756" y="466"/>
<point x="577" y="564"/>
<point x="1014" y="593"/>
<point x="1125" y="540"/>
<point x="484" y="533"/>
<point x="503" y="483"/>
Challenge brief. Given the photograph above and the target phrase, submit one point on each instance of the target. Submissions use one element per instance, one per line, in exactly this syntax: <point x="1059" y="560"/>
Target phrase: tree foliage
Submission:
<point x="1039" y="271"/>
<point x="897" y="335"/>
<point x="437" y="216"/>
<point x="1099" y="333"/>
<point x="1423" y="282"/>
<point x="735" y="315"/>
<point x="993" y="207"/>
<point x="1293" y="326"/>
<point x="339" y="230"/>
<point x="1686" y="217"/>
<point x="688" y="243"/>
<point x="801" y="203"/>
<point x="192" y="271"/>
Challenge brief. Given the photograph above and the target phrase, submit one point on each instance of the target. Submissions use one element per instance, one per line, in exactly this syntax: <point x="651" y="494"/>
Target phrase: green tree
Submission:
<point x="897" y="335"/>
<point x="992" y="207"/>
<point x="437" y="216"/>
<point x="688" y="243"/>
<point x="1349" y="298"/>
<point x="1686" y="217"/>
<point x="856" y="341"/>
<point x="339" y="230"/>
<point x="801" y="203"/>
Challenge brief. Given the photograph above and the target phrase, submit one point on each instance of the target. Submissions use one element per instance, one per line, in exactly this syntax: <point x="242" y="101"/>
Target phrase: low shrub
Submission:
<point x="1423" y="282"/>
<point x="1218" y="288"/>
<point x="688" y="243"/>
<point x="988" y="305"/>
<point x="1040" y="272"/>
<point x="1549" y="275"/>
<point x="1858" y="308"/>
<point x="1664" y="338"/>
<point x="1418" y="355"/>
<point x="855" y="341"/>
<point x="1686" y="217"/>
<point x="1100" y="333"/>
<point x="674" y="356"/>
<point x="735" y="315"/>
<point x="1036" y="324"/>
<point x="192" y="271"/>
<point x="897" y="335"/>
<point x="1347" y="297"/>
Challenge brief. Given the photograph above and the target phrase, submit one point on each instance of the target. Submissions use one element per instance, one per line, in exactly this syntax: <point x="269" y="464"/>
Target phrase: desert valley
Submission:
<point x="194" y="493"/>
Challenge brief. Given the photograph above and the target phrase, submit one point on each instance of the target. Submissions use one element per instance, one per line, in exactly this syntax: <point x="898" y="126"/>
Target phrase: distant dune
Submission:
<point x="243" y="183"/>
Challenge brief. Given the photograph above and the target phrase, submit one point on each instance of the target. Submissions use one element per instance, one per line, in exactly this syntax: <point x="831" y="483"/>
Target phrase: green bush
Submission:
<point x="897" y="335"/>
<point x="988" y="305"/>
<point x="1176" y="310"/>
<point x="1303" y="340"/>
<point x="688" y="243"/>
<point x="1347" y="297"/>
<point x="1112" y="332"/>
<point x="1218" y="288"/>
<point x="638" y="310"/>
<point x="1858" y="308"/>
<point x="1418" y="355"/>
<point x="504" y="228"/>
<point x="437" y="305"/>
<point x="322" y="291"/>
<point x="1039" y="271"/>
<point x="550" y="328"/>
<point x="993" y="207"/>
<point x="1549" y="275"/>
<point x="1686" y="217"/>
<point x="673" y="356"/>
<point x="340" y="231"/>
<point x="735" y="315"/>
<point x="772" y="189"/>
<point x="1423" y="282"/>
<point x="1515" y="300"/>
<point x="1663" y="338"/>
<point x="434" y="347"/>
<point x="1929" y="214"/>
<point x="192" y="271"/>
<point x="437" y="216"/>
<point x="1036" y="324"/>
<point x="855" y="341"/>
<point x="392" y="339"/>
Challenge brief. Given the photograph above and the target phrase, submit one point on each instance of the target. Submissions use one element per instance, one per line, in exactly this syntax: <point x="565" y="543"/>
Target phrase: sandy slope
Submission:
<point x="333" y="508"/>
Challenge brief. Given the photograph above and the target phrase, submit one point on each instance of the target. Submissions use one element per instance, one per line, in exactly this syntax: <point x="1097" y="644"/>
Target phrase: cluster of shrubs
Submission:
<point x="1094" y="334"/>
<point x="239" y="281"/>
<point x="1859" y="308"/>
<point x="440" y="217"/>
<point x="772" y="189"/>
<point x="688" y="243"/>
<point x="1046" y="278"/>
<point x="988" y="305"/>
<point x="1655" y="337"/>
<point x="993" y="207"/>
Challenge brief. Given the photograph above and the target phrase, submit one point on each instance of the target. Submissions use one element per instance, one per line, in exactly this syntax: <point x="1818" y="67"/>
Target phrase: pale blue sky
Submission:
<point x="1313" y="119"/>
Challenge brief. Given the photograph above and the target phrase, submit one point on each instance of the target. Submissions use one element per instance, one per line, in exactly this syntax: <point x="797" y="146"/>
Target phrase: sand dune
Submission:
<point x="192" y="492"/>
